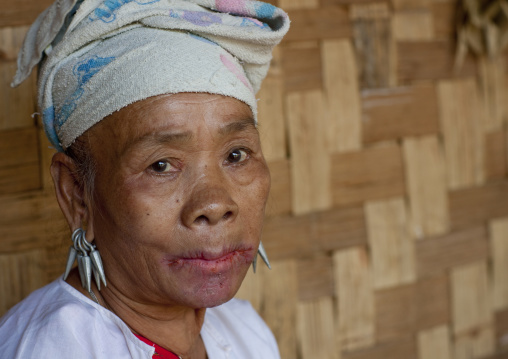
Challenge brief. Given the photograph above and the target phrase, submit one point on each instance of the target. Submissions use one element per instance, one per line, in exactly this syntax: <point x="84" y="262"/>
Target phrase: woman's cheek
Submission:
<point x="254" y="174"/>
<point x="262" y="182"/>
<point x="255" y="195"/>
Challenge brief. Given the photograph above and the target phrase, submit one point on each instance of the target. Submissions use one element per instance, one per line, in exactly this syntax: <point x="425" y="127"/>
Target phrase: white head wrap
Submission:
<point x="102" y="55"/>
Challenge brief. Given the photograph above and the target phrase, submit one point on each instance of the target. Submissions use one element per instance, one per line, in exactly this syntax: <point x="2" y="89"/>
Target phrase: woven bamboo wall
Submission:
<point x="387" y="225"/>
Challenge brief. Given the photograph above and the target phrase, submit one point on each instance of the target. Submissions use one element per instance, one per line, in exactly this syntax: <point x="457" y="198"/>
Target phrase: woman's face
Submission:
<point x="180" y="191"/>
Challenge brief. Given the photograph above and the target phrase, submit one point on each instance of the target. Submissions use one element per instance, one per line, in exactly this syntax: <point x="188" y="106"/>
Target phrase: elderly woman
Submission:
<point x="151" y="106"/>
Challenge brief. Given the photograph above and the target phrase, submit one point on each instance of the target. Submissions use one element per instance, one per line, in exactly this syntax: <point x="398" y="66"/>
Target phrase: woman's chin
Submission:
<point x="204" y="287"/>
<point x="212" y="291"/>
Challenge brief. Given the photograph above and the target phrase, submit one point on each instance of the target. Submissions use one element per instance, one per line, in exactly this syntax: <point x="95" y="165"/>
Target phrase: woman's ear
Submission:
<point x="69" y="191"/>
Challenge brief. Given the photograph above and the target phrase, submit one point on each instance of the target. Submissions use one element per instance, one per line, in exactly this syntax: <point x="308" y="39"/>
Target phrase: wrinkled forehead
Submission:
<point x="175" y="118"/>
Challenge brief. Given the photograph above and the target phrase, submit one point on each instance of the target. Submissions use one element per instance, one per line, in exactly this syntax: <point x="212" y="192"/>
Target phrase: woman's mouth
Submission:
<point x="211" y="275"/>
<point x="213" y="262"/>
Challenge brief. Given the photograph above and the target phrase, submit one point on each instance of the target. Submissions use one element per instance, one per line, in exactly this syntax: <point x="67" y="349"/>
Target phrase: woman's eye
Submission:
<point x="161" y="166"/>
<point x="237" y="155"/>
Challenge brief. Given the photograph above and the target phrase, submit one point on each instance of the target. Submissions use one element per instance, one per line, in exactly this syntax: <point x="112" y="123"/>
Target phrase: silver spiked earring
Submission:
<point x="264" y="257"/>
<point x="89" y="261"/>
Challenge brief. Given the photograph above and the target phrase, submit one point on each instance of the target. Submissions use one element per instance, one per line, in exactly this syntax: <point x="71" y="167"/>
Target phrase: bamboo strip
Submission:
<point x="432" y="301"/>
<point x="19" y="161"/>
<point x="298" y="4"/>
<point x="327" y="22"/>
<point x="429" y="60"/>
<point x="471" y="300"/>
<point x="496" y="159"/>
<point x="410" y="4"/>
<point x="478" y="344"/>
<point x="271" y="119"/>
<point x="425" y="174"/>
<point x="18" y="146"/>
<point x="288" y="237"/>
<point x="343" y="115"/>
<point x="425" y="305"/>
<point x="23" y="177"/>
<point x="501" y="325"/>
<point x="372" y="31"/>
<point x="499" y="254"/>
<point x="11" y="39"/>
<point x="390" y="114"/>
<point x="21" y="12"/>
<point x="301" y="62"/>
<point x="463" y="133"/>
<point x="30" y="221"/>
<point x="392" y="324"/>
<point x="339" y="228"/>
<point x="315" y="278"/>
<point x="439" y="254"/>
<point x="472" y="312"/>
<point x="316" y="329"/>
<point x="379" y="10"/>
<point x="413" y="26"/>
<point x="403" y="348"/>
<point x="17" y="104"/>
<point x="20" y="274"/>
<point x="475" y="206"/>
<point x="297" y="236"/>
<point x="392" y="247"/>
<point x="370" y="174"/>
<point x="343" y="2"/>
<point x="280" y="298"/>
<point x="353" y="283"/>
<point x="443" y="16"/>
<point x="492" y="90"/>
<point x="435" y="343"/>
<point x="310" y="164"/>
<point x="279" y="200"/>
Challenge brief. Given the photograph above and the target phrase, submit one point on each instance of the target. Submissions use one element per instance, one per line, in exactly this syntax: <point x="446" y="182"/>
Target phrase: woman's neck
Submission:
<point x="176" y="329"/>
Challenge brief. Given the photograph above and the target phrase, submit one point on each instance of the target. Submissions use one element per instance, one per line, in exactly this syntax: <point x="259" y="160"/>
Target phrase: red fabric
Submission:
<point x="160" y="352"/>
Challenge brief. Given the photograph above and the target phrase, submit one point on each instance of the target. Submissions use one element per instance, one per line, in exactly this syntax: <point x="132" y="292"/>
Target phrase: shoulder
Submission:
<point x="236" y="326"/>
<point x="55" y="322"/>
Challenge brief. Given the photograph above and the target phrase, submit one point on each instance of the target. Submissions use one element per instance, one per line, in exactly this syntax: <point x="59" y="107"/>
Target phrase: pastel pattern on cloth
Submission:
<point x="230" y="65"/>
<point x="102" y="55"/>
<point x="83" y="71"/>
<point x="232" y="6"/>
<point x="199" y="18"/>
<point x="107" y="11"/>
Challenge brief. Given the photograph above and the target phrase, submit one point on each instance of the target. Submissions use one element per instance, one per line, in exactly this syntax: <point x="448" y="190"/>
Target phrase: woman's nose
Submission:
<point x="209" y="205"/>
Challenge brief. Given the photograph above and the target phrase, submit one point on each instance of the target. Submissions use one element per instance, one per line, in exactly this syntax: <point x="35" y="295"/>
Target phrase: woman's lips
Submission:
<point x="213" y="262"/>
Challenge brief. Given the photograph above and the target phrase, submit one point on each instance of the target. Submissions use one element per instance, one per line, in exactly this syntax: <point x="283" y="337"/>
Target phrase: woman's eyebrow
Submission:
<point x="238" y="126"/>
<point x="158" y="138"/>
<point x="169" y="137"/>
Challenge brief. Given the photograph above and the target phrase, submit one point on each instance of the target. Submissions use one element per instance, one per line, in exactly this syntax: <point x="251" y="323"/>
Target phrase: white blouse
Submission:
<point x="57" y="321"/>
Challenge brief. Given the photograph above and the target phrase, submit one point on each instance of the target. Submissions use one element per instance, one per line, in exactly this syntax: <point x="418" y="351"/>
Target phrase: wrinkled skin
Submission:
<point x="177" y="212"/>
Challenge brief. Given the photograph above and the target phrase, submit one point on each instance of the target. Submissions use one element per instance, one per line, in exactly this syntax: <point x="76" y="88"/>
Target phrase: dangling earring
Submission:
<point x="264" y="257"/>
<point x="89" y="261"/>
